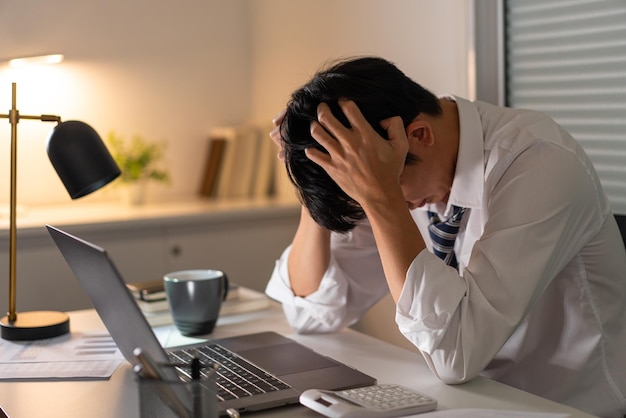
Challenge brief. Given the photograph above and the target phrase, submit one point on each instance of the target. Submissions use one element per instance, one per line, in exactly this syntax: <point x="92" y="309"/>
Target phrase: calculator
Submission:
<point x="377" y="401"/>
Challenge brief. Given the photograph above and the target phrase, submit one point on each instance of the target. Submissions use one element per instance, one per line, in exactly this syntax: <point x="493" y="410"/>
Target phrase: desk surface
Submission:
<point x="118" y="396"/>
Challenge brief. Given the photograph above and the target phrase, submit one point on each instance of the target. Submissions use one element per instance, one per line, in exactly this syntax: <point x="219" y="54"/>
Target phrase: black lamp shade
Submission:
<point x="80" y="158"/>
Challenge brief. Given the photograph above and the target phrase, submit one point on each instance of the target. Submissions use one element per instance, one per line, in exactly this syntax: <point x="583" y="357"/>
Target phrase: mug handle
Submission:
<point x="226" y="286"/>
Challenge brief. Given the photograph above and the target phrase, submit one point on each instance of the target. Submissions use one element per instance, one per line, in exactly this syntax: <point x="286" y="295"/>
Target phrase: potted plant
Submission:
<point x="139" y="161"/>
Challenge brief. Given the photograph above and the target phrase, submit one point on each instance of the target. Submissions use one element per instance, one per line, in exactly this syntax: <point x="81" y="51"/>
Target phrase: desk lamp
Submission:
<point x="84" y="165"/>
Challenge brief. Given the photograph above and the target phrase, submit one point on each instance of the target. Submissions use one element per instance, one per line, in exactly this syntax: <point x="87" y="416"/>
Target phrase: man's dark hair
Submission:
<point x="381" y="91"/>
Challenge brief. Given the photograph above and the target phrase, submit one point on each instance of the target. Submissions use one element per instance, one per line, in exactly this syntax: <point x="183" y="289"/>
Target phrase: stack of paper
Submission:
<point x="68" y="357"/>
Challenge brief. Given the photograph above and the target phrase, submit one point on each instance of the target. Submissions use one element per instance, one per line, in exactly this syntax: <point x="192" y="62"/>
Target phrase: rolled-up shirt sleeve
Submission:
<point x="352" y="283"/>
<point x="426" y="307"/>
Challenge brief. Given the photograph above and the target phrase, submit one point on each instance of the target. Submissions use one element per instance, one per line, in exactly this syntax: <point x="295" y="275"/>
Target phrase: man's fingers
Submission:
<point x="397" y="136"/>
<point x="279" y="117"/>
<point x="330" y="123"/>
<point x="275" y="133"/>
<point x="395" y="128"/>
<point x="328" y="142"/>
<point x="325" y="139"/>
<point x="354" y="115"/>
<point x="318" y="157"/>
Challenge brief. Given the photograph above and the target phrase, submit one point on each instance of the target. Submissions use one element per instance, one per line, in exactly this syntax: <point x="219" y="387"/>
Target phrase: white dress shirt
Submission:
<point x="539" y="301"/>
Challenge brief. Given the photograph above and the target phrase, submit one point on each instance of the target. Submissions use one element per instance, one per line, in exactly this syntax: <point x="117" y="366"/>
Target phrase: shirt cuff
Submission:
<point x="322" y="311"/>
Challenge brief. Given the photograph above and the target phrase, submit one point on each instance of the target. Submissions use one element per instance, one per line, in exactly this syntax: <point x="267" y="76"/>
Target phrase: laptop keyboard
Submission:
<point x="235" y="377"/>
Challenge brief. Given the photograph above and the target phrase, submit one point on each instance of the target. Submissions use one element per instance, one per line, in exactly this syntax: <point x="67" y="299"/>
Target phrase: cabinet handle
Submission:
<point x="176" y="250"/>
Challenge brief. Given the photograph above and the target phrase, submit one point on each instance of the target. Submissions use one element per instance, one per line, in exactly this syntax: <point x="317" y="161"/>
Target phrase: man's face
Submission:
<point x="424" y="182"/>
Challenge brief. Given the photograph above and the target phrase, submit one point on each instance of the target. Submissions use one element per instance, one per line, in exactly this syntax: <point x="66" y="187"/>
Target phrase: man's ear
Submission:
<point x="420" y="131"/>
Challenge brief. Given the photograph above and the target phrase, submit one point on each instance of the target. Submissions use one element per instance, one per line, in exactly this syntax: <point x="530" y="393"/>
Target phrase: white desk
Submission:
<point x="118" y="397"/>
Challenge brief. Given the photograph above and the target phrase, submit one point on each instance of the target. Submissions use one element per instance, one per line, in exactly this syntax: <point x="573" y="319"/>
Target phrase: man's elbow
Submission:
<point x="454" y="378"/>
<point x="311" y="325"/>
<point x="450" y="373"/>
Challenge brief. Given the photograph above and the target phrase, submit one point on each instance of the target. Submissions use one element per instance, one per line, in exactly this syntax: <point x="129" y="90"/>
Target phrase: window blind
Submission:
<point x="567" y="58"/>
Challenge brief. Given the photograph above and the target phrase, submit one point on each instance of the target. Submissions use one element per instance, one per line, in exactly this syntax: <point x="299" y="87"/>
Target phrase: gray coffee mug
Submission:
<point x="195" y="298"/>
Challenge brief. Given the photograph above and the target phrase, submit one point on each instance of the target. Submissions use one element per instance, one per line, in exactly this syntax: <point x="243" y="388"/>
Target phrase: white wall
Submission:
<point x="173" y="69"/>
<point x="164" y="69"/>
<point x="428" y="40"/>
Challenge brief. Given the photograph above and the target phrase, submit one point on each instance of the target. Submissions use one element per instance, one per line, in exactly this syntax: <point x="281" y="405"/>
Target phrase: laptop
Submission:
<point x="293" y="367"/>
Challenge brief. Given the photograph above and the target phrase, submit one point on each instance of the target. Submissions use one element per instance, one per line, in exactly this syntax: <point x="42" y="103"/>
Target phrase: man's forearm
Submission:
<point x="398" y="240"/>
<point x="309" y="256"/>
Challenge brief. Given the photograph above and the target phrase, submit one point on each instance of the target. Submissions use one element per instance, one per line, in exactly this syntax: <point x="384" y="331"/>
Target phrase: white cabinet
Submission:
<point x="246" y="251"/>
<point x="241" y="238"/>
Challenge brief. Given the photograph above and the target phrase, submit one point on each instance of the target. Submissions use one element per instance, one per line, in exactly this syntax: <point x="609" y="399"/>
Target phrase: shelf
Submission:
<point x="110" y="215"/>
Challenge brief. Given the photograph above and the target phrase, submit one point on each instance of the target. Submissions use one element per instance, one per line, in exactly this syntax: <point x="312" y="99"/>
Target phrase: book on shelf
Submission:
<point x="263" y="180"/>
<point x="215" y="153"/>
<point x="239" y="163"/>
<point x="236" y="172"/>
<point x="229" y="134"/>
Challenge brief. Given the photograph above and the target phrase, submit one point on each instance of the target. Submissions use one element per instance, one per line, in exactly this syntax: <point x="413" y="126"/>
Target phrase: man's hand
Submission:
<point x="366" y="166"/>
<point x="275" y="134"/>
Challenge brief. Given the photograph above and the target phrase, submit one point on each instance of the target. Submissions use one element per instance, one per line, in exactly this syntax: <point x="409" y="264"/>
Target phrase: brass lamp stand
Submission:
<point x="84" y="165"/>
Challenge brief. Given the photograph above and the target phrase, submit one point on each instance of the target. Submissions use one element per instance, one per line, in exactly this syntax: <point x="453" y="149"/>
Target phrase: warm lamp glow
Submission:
<point x="36" y="60"/>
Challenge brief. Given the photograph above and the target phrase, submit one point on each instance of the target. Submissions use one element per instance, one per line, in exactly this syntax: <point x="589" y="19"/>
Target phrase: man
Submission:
<point x="532" y="290"/>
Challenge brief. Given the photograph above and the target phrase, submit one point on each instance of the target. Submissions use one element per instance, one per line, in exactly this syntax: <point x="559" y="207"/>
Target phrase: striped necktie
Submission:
<point x="443" y="234"/>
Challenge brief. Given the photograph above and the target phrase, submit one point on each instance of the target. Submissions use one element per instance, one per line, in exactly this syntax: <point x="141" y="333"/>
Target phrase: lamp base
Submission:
<point x="35" y="325"/>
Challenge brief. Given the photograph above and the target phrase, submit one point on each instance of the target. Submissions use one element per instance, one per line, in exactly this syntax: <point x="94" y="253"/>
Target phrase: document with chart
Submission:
<point x="91" y="355"/>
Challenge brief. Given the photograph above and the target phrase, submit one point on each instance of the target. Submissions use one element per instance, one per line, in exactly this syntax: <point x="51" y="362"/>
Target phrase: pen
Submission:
<point x="196" y="367"/>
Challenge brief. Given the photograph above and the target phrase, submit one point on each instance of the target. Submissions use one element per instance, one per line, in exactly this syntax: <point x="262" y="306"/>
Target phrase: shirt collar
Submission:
<point x="468" y="182"/>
